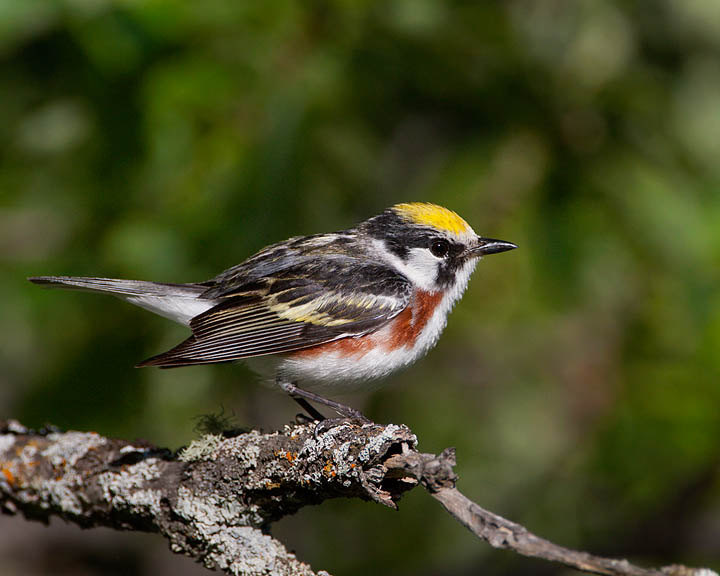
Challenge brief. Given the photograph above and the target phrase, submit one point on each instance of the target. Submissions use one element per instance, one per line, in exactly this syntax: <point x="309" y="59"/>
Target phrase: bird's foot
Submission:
<point x="302" y="419"/>
<point x="303" y="398"/>
<point x="330" y="423"/>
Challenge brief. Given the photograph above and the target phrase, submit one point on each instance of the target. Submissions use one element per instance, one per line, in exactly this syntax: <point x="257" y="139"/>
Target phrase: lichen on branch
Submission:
<point x="216" y="499"/>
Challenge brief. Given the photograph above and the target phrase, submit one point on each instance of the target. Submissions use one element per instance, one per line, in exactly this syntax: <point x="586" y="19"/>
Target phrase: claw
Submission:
<point x="330" y="423"/>
<point x="301" y="418"/>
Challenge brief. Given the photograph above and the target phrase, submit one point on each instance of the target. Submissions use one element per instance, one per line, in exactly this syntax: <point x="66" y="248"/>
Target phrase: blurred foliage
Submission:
<point x="578" y="378"/>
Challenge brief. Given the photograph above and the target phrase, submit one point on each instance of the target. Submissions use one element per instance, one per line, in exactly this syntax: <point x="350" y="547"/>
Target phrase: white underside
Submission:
<point x="181" y="309"/>
<point x="332" y="371"/>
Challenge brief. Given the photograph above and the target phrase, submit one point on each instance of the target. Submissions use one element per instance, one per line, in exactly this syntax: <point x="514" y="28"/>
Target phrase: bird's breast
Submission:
<point x="407" y="327"/>
<point x="403" y="331"/>
<point x="400" y="342"/>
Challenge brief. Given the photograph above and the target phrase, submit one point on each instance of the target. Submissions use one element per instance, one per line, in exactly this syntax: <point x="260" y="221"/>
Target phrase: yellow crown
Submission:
<point x="432" y="215"/>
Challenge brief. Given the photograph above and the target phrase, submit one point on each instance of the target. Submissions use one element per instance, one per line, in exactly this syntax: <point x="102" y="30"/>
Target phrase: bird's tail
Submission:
<point x="119" y="287"/>
<point x="179" y="302"/>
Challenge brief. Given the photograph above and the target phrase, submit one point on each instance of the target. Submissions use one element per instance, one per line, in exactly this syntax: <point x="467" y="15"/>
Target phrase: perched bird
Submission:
<point x="322" y="312"/>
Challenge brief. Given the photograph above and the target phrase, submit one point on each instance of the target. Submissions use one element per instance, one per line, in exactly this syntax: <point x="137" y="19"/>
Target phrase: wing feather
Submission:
<point x="303" y="306"/>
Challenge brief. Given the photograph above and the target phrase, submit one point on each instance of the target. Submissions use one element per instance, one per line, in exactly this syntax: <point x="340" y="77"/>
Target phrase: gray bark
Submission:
<point x="216" y="499"/>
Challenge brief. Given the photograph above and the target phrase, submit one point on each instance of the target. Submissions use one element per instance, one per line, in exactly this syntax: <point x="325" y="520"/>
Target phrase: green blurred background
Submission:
<point x="578" y="378"/>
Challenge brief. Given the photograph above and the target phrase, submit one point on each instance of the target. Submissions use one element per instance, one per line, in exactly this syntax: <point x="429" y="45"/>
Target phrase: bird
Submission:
<point x="323" y="313"/>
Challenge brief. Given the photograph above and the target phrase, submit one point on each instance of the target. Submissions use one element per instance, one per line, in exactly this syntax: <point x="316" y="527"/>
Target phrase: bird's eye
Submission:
<point x="440" y="248"/>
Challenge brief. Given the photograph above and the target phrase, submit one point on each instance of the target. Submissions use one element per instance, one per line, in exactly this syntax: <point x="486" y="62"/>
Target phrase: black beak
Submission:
<point x="487" y="246"/>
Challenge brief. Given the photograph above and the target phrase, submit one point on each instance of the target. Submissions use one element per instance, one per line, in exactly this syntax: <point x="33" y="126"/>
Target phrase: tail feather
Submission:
<point x="179" y="302"/>
<point x="120" y="287"/>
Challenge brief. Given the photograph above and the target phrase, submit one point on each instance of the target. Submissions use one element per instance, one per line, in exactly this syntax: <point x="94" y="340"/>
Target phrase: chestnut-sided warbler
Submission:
<point x="324" y="311"/>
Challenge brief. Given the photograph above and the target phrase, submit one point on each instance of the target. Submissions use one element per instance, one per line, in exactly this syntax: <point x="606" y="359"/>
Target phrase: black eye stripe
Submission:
<point x="400" y="239"/>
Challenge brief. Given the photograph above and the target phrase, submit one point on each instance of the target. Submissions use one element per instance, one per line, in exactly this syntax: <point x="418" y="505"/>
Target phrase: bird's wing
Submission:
<point x="303" y="305"/>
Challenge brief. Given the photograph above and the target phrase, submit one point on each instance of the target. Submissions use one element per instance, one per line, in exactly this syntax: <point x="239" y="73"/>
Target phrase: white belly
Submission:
<point x="339" y="371"/>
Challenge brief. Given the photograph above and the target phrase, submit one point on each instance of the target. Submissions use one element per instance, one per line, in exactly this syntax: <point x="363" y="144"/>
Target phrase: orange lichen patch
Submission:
<point x="285" y="455"/>
<point x="271" y="485"/>
<point x="32" y="443"/>
<point x="328" y="469"/>
<point x="9" y="476"/>
<point x="289" y="456"/>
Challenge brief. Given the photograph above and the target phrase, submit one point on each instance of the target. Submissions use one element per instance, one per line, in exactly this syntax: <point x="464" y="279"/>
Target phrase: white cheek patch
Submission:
<point x="420" y="267"/>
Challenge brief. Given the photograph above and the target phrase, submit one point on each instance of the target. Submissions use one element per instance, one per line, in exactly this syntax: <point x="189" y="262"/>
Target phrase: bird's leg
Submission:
<point x="302" y="396"/>
<point x="309" y="408"/>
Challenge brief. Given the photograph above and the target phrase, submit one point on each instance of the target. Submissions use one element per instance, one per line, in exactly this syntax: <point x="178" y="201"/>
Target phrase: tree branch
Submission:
<point x="216" y="499"/>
